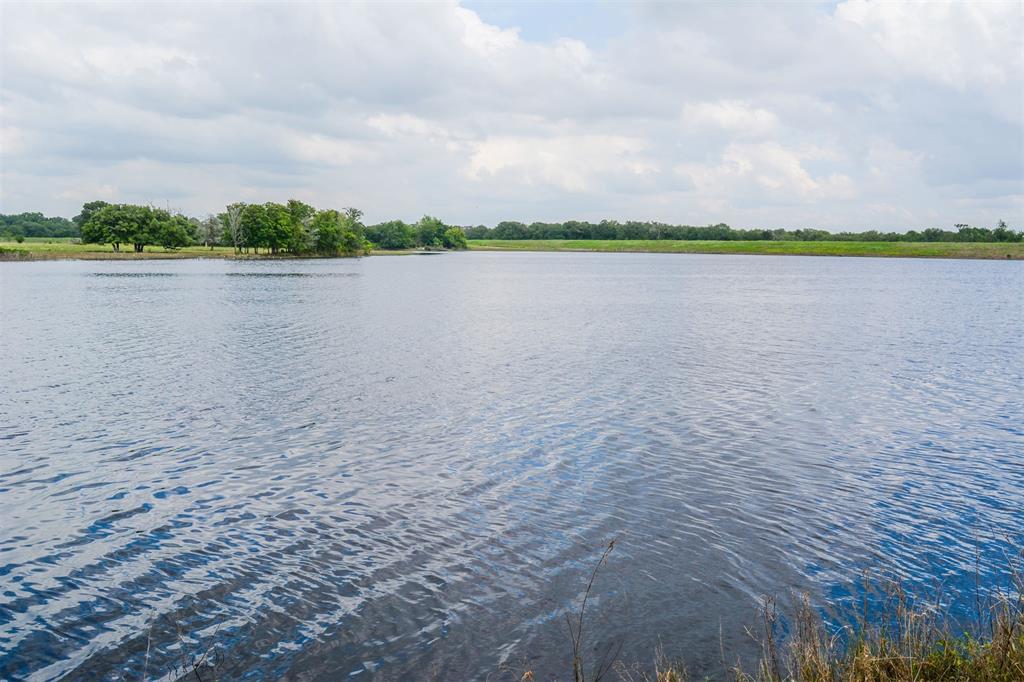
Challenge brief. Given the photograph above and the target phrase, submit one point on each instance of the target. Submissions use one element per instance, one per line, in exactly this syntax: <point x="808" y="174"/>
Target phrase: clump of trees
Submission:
<point x="138" y="226"/>
<point x="613" y="229"/>
<point x="295" y="228"/>
<point x="429" y="232"/>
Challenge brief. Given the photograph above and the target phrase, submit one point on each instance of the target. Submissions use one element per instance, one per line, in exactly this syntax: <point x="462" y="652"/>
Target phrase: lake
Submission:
<point x="407" y="467"/>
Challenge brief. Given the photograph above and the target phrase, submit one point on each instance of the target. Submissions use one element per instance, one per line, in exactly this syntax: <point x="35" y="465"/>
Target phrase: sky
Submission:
<point x="837" y="115"/>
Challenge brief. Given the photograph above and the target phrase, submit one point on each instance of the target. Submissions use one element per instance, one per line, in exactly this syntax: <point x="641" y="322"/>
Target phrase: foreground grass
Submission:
<point x="904" y="644"/>
<point x="877" y="249"/>
<point x="904" y="639"/>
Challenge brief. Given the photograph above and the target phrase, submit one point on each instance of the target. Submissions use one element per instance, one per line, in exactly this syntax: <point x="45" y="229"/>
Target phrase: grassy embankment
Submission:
<point x="988" y="250"/>
<point x="59" y="249"/>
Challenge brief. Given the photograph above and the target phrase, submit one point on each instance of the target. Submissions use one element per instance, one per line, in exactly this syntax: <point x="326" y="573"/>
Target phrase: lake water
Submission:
<point x="406" y="467"/>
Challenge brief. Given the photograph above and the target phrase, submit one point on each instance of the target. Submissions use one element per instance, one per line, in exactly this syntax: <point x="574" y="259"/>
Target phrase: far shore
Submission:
<point x="65" y="250"/>
<point x="972" y="250"/>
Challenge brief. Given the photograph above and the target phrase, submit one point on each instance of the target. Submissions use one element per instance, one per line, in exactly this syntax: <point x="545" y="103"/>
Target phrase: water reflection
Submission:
<point x="413" y="471"/>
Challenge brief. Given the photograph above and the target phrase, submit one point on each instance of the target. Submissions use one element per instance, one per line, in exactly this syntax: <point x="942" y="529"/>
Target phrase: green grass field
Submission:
<point x="53" y="249"/>
<point x="877" y="249"/>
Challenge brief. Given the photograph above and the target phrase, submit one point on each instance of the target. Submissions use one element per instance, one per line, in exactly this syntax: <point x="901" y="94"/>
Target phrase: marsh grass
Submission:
<point x="908" y="640"/>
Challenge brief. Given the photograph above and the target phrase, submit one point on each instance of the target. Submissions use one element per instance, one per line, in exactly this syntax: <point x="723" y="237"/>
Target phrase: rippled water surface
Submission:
<point x="395" y="468"/>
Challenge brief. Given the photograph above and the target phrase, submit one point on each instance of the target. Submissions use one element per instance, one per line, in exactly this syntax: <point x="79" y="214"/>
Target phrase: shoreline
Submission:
<point x="947" y="250"/>
<point x="13" y="252"/>
<point x="23" y="255"/>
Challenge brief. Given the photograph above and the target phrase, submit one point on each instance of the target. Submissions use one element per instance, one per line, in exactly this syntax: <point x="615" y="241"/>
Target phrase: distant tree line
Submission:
<point x="428" y="232"/>
<point x="298" y="228"/>
<point x="613" y="229"/>
<point x="35" y="225"/>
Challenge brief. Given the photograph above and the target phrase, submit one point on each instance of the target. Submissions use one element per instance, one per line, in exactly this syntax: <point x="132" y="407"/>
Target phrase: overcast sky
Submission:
<point x="836" y="115"/>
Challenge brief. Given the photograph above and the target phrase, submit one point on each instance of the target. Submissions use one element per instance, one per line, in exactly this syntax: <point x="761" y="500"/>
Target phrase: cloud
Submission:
<point x="865" y="114"/>
<point x="767" y="173"/>
<point x="966" y="45"/>
<point x="571" y="163"/>
<point x="730" y="116"/>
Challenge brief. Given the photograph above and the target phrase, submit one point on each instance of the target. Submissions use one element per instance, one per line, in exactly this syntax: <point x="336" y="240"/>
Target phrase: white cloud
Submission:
<point x="321" y="149"/>
<point x="400" y="125"/>
<point x="766" y="114"/>
<point x="767" y="172"/>
<point x="483" y="38"/>
<point x="960" y="44"/>
<point x="732" y="116"/>
<point x="568" y="162"/>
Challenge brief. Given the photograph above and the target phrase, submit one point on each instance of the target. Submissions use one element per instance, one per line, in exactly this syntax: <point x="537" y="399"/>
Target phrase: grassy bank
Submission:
<point x="56" y="249"/>
<point x="988" y="250"/>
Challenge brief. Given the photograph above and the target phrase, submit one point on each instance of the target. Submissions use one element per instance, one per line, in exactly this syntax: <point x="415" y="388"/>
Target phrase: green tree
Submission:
<point x="35" y="224"/>
<point x="352" y="244"/>
<point x="88" y="209"/>
<point x="430" y="231"/>
<point x="278" y="227"/>
<point x="172" y="231"/>
<point x="254" y="225"/>
<point x="326" y="232"/>
<point x="300" y="238"/>
<point x="454" y="238"/>
<point x="394" y="234"/>
<point x="117" y="224"/>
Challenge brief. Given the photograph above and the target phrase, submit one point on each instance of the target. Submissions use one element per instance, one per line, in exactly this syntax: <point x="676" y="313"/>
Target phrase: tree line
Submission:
<point x="614" y="230"/>
<point x="295" y="228"/>
<point x="298" y="228"/>
<point x="35" y="225"/>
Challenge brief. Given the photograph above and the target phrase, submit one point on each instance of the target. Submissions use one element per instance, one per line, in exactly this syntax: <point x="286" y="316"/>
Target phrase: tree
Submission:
<point x="232" y="220"/>
<point x="139" y="226"/>
<point x="430" y="231"/>
<point x="254" y="226"/>
<point x="210" y="230"/>
<point x="88" y="209"/>
<point x="112" y="224"/>
<point x="326" y="229"/>
<point x="392" y="235"/>
<point x="172" y="231"/>
<point x="300" y="239"/>
<point x="454" y="238"/>
<point x="278" y="227"/>
<point x="36" y="225"/>
<point x="352" y="244"/>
